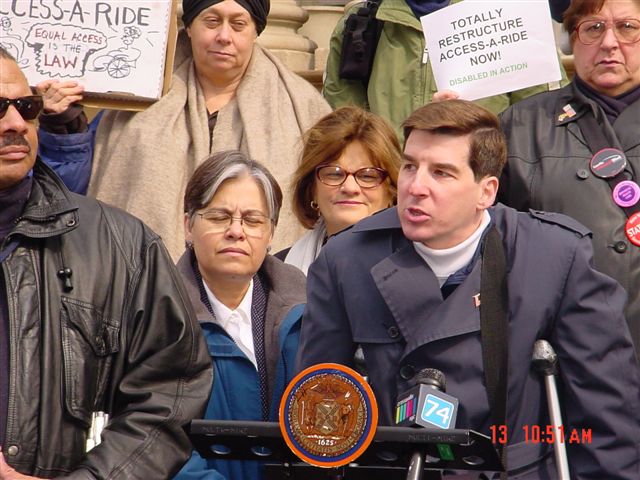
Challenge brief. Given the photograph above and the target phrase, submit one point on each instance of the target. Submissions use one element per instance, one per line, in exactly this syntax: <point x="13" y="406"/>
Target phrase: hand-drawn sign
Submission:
<point x="107" y="46"/>
<point x="328" y="415"/>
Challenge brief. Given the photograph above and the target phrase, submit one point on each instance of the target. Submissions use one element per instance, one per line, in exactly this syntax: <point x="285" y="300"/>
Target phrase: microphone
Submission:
<point x="426" y="404"/>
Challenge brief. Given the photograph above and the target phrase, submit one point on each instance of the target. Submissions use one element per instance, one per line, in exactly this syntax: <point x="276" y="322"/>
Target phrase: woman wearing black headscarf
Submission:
<point x="227" y="92"/>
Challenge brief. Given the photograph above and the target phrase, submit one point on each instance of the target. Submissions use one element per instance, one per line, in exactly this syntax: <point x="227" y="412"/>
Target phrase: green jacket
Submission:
<point x="399" y="82"/>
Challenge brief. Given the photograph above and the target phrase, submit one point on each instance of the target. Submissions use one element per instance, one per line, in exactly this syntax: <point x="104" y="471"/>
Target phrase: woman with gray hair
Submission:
<point x="248" y="303"/>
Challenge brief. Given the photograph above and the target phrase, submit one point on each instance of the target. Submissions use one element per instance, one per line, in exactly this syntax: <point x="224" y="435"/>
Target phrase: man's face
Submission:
<point x="18" y="137"/>
<point x="439" y="201"/>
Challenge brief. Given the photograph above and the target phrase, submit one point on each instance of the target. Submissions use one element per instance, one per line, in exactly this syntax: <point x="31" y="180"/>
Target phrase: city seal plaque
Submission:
<point x="328" y="415"/>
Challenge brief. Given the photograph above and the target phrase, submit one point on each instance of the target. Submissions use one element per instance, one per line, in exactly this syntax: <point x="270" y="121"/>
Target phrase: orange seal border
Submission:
<point x="370" y="405"/>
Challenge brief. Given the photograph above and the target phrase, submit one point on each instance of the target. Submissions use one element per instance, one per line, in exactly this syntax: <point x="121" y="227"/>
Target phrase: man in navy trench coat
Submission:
<point x="404" y="285"/>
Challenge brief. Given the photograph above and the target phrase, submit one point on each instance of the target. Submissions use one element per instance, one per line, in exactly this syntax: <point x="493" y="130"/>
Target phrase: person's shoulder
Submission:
<point x="121" y="223"/>
<point x="559" y="223"/>
<point x="549" y="236"/>
<point x="545" y="101"/>
<point x="277" y="268"/>
<point x="381" y="220"/>
<point x="366" y="232"/>
<point x="266" y="61"/>
<point x="539" y="228"/>
<point x="287" y="280"/>
<point x="282" y="254"/>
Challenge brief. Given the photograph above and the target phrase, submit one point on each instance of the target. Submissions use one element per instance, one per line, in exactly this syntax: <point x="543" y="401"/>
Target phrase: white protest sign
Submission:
<point x="108" y="46"/>
<point x="480" y="48"/>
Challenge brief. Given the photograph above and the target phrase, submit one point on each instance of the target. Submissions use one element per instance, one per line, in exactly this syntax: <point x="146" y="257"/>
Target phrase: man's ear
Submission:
<point x="488" y="191"/>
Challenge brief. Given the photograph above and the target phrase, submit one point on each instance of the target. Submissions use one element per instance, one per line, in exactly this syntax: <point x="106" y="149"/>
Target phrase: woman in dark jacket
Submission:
<point x="249" y="304"/>
<point x="553" y="139"/>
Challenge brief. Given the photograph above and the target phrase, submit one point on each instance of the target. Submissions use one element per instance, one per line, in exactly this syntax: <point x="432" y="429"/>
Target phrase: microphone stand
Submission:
<point x="416" y="467"/>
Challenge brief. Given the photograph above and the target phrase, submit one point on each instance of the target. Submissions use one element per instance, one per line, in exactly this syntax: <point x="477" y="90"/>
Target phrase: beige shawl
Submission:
<point x="143" y="160"/>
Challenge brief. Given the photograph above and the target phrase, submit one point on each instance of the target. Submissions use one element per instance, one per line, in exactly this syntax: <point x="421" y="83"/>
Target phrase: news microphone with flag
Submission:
<point x="426" y="404"/>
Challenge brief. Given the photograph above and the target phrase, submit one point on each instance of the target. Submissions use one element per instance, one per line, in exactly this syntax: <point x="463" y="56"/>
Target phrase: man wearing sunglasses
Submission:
<point x="93" y="320"/>
<point x="445" y="280"/>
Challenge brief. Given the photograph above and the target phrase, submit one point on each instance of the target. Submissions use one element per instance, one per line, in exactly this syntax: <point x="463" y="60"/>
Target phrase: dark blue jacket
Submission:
<point x="70" y="155"/>
<point x="236" y="385"/>
<point x="370" y="287"/>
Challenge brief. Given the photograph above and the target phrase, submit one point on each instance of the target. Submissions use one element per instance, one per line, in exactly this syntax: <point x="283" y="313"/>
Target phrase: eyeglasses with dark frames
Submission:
<point x="626" y="30"/>
<point x="367" y="177"/>
<point x="254" y="224"/>
<point x="28" y="107"/>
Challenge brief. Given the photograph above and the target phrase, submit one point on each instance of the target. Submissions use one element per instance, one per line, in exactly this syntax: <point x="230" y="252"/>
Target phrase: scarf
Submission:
<point x="422" y="7"/>
<point x="143" y="160"/>
<point x="307" y="249"/>
<point x="612" y="106"/>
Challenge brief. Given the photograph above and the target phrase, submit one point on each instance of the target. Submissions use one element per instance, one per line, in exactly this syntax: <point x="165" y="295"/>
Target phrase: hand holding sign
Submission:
<point x="115" y="49"/>
<point x="442" y="95"/>
<point x="58" y="95"/>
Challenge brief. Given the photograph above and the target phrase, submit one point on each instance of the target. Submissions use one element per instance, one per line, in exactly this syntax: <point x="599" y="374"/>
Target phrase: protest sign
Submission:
<point x="480" y="48"/>
<point x="117" y="50"/>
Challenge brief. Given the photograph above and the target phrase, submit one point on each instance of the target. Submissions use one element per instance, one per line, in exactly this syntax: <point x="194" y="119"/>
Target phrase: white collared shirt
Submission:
<point x="237" y="323"/>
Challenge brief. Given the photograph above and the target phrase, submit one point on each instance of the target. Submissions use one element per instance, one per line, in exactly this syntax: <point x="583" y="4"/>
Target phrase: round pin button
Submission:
<point x="626" y="193"/>
<point x="632" y="229"/>
<point x="608" y="162"/>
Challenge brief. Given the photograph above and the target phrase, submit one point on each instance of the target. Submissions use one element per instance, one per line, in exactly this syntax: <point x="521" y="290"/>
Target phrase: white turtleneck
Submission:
<point x="447" y="261"/>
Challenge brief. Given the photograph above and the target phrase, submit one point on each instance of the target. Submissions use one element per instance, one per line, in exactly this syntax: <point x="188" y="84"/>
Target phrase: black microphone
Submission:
<point x="426" y="404"/>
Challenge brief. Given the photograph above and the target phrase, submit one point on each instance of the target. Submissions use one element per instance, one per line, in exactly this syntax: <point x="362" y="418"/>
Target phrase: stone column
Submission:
<point x="281" y="36"/>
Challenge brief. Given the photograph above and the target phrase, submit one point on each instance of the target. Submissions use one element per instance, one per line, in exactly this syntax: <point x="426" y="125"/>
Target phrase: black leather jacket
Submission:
<point x="548" y="169"/>
<point x="122" y="339"/>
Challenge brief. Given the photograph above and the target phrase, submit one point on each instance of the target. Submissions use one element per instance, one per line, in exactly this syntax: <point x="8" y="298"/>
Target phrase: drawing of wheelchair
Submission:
<point x="117" y="63"/>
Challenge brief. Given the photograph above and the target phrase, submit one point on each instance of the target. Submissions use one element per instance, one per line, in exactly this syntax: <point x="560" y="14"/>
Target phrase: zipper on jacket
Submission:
<point x="65" y="273"/>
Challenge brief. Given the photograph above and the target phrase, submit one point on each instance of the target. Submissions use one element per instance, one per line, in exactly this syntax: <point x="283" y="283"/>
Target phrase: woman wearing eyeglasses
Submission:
<point x="559" y="143"/>
<point x="248" y="303"/>
<point x="348" y="171"/>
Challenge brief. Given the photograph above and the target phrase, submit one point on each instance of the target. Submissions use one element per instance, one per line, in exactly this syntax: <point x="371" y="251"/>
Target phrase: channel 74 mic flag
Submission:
<point x="328" y="415"/>
<point x="426" y="404"/>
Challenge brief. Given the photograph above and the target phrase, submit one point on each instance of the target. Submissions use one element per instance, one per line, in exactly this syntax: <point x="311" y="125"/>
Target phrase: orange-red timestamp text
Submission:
<point x="543" y="434"/>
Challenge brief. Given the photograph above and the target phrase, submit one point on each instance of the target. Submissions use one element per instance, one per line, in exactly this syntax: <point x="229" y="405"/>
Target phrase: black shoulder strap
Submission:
<point x="494" y="329"/>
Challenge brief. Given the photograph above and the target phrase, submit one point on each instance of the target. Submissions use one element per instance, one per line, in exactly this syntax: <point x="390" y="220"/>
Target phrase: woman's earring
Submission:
<point x="188" y="245"/>
<point x="268" y="248"/>
<point x="314" y="204"/>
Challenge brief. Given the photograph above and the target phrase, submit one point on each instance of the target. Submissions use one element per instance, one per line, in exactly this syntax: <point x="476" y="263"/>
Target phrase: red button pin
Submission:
<point x="632" y="229"/>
